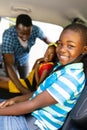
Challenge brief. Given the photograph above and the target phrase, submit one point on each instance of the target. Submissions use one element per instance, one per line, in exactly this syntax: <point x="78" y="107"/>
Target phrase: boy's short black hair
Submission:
<point x="24" y="19"/>
<point x="80" y="28"/>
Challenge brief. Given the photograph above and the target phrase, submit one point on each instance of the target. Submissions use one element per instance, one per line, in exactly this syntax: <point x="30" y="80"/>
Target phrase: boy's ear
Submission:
<point x="85" y="49"/>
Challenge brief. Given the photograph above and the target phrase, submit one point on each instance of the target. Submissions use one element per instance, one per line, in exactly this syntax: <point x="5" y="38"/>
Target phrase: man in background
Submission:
<point x="16" y="44"/>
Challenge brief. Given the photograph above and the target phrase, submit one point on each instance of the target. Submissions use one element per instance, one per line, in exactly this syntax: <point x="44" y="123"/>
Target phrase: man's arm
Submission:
<point x="9" y="65"/>
<point x="46" y="40"/>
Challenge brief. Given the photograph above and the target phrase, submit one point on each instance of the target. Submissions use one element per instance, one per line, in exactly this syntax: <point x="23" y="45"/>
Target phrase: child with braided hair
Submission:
<point x="40" y="71"/>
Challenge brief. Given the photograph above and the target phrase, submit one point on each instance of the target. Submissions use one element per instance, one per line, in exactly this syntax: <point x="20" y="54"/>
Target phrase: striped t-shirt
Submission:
<point x="65" y="86"/>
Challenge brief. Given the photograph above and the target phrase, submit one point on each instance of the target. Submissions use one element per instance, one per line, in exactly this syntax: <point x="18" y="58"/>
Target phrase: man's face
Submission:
<point x="24" y="32"/>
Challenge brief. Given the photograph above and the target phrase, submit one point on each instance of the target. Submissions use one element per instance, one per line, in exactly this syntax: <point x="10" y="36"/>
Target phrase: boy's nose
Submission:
<point x="63" y="49"/>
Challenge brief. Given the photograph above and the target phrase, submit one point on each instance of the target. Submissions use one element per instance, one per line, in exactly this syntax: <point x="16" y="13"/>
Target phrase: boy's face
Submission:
<point x="69" y="47"/>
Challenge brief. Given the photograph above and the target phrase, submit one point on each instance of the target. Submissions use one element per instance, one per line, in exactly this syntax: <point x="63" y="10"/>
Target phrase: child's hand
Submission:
<point x="6" y="103"/>
<point x="40" y="60"/>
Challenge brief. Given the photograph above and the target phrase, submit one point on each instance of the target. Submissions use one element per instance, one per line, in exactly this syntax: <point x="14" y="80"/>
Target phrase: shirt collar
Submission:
<point x="72" y="65"/>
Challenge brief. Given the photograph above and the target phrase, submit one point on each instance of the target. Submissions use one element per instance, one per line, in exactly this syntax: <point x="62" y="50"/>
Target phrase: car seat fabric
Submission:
<point x="79" y="113"/>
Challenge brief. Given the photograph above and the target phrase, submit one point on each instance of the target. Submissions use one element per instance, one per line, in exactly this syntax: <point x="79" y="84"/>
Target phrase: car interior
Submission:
<point x="61" y="13"/>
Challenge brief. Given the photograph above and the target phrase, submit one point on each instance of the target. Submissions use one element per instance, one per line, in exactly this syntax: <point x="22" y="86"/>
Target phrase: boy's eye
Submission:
<point x="59" y="44"/>
<point x="70" y="46"/>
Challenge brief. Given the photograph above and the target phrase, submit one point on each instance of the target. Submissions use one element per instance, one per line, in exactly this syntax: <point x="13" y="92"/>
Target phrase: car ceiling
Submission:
<point x="59" y="12"/>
